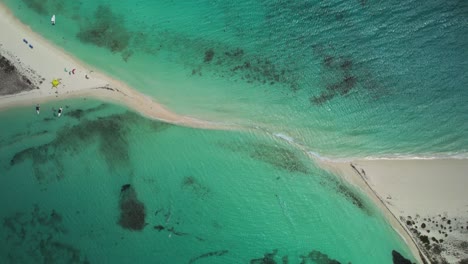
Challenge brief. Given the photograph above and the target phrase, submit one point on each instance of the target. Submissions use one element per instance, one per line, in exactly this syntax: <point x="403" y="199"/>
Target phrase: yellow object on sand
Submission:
<point x="55" y="82"/>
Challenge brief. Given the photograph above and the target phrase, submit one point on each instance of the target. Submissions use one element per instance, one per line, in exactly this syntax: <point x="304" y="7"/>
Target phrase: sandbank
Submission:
<point x="46" y="62"/>
<point x="424" y="200"/>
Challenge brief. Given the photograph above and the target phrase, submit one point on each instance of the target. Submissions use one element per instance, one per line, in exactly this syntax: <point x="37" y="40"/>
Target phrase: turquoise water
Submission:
<point x="239" y="196"/>
<point x="343" y="78"/>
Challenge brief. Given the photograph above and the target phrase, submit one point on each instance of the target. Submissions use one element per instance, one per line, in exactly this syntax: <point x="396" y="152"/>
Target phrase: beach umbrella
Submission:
<point x="55" y="83"/>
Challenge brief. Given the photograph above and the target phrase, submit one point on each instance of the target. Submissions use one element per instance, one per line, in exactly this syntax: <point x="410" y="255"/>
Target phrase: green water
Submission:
<point x="242" y="195"/>
<point x="343" y="78"/>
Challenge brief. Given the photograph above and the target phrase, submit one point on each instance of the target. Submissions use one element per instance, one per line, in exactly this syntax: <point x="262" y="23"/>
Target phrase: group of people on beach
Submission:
<point x="59" y="113"/>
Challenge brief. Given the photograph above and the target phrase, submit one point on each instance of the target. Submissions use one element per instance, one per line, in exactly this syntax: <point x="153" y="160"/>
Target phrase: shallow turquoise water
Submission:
<point x="239" y="195"/>
<point x="344" y="78"/>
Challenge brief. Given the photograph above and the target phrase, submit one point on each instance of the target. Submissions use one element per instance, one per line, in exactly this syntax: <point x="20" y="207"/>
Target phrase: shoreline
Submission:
<point x="102" y="87"/>
<point x="85" y="81"/>
<point x="428" y="211"/>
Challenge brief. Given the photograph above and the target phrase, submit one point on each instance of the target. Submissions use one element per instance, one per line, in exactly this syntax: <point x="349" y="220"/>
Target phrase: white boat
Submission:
<point x="52" y="20"/>
<point x="59" y="112"/>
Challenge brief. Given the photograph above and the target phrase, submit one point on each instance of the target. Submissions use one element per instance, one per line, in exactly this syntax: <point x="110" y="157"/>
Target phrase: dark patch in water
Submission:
<point x="177" y="233"/>
<point x="399" y="259"/>
<point x="260" y="70"/>
<point x="107" y="30"/>
<point x="279" y="157"/>
<point x="109" y="132"/>
<point x="33" y="237"/>
<point x="228" y="62"/>
<point x="236" y="53"/>
<point x="337" y="66"/>
<point x="341" y="75"/>
<point x="171" y="230"/>
<point x="39" y="6"/>
<point x="268" y="258"/>
<point x="159" y="227"/>
<point x="132" y="210"/>
<point x="41" y="155"/>
<point x="209" y="55"/>
<point x="318" y="257"/>
<point x="349" y="194"/>
<point x="210" y="254"/>
<point x="125" y="187"/>
<point x="80" y="113"/>
<point x="352" y="197"/>
<point x="192" y="184"/>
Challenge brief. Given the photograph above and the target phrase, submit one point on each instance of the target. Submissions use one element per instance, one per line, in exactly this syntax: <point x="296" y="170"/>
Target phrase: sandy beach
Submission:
<point x="44" y="62"/>
<point x="424" y="200"/>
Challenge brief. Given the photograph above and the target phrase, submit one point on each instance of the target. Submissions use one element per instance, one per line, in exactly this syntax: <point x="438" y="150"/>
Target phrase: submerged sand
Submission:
<point x="410" y="193"/>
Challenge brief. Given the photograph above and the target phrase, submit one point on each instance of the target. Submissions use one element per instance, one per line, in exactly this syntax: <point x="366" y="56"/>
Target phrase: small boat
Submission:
<point x="38" y="109"/>
<point x="59" y="112"/>
<point x="52" y="20"/>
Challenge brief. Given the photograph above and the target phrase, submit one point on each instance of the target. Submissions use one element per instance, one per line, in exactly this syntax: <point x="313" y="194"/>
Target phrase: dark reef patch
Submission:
<point x="132" y="211"/>
<point x="159" y="227"/>
<point x="273" y="258"/>
<point x="109" y="132"/>
<point x="209" y="55"/>
<point x="209" y="254"/>
<point x="347" y="192"/>
<point x="171" y="230"/>
<point x="80" y="113"/>
<point x="399" y="259"/>
<point x="296" y="30"/>
<point x="177" y="233"/>
<point x="341" y="75"/>
<point x="351" y="196"/>
<point x="41" y="155"/>
<point x="228" y="62"/>
<point x="337" y="66"/>
<point x="33" y="238"/>
<point x="236" y="64"/>
<point x="107" y="30"/>
<point x="268" y="258"/>
<point x="192" y="184"/>
<point x="236" y="53"/>
<point x="39" y="6"/>
<point x="125" y="187"/>
<point x="318" y="257"/>
<point x="279" y="157"/>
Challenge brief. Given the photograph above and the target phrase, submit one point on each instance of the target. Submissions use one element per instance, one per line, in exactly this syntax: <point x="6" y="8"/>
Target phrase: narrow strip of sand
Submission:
<point x="43" y="62"/>
<point x="424" y="200"/>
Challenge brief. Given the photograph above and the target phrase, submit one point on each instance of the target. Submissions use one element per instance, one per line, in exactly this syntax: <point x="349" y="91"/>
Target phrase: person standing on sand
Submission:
<point x="38" y="108"/>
